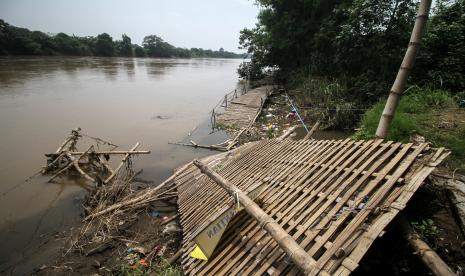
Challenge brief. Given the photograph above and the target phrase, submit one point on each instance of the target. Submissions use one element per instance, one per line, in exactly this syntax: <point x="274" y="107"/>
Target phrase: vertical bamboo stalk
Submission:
<point x="404" y="71"/>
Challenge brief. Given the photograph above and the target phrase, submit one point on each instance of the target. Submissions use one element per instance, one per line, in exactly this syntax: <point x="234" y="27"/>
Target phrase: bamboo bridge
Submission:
<point x="333" y="197"/>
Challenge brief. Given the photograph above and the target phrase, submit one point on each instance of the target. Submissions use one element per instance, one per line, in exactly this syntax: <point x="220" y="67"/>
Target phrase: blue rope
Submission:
<point x="294" y="108"/>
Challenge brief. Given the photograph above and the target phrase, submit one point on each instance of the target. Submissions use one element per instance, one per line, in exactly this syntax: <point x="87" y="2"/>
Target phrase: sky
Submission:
<point x="208" y="24"/>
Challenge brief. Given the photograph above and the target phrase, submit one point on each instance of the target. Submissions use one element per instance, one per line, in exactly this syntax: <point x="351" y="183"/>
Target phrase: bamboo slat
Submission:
<point x="333" y="197"/>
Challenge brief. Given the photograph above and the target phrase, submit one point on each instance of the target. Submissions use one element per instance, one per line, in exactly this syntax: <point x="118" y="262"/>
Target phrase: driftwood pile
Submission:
<point x="92" y="164"/>
<point x="117" y="199"/>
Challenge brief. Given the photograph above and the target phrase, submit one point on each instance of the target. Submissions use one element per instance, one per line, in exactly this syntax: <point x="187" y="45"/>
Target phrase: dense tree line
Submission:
<point x="359" y="43"/>
<point x="21" y="41"/>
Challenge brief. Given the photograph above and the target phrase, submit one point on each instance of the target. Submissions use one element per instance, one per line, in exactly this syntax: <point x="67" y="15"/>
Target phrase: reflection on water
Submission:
<point x="41" y="99"/>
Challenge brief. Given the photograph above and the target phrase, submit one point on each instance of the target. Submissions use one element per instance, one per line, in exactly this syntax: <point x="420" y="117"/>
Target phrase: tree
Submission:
<point x="104" y="45"/>
<point x="124" y="47"/>
<point x="139" y="51"/>
<point x="21" y="41"/>
<point x="151" y="44"/>
<point x="442" y="56"/>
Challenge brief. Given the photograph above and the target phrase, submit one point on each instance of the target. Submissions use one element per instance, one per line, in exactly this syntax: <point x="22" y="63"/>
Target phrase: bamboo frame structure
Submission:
<point x="94" y="163"/>
<point x="404" y="71"/>
<point x="285" y="241"/>
<point x="333" y="197"/>
<point x="123" y="161"/>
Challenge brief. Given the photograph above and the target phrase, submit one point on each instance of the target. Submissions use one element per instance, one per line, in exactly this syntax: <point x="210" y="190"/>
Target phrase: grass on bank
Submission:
<point x="433" y="114"/>
<point x="326" y="100"/>
<point x="163" y="269"/>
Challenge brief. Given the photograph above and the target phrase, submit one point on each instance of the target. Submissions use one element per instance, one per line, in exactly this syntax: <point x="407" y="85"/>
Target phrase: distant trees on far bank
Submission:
<point x="22" y="41"/>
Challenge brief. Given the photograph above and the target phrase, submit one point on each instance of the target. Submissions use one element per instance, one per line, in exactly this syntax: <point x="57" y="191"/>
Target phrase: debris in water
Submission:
<point x="92" y="163"/>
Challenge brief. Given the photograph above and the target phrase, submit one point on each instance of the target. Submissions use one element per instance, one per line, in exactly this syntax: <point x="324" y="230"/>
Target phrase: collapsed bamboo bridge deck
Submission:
<point x="334" y="197"/>
<point x="242" y="112"/>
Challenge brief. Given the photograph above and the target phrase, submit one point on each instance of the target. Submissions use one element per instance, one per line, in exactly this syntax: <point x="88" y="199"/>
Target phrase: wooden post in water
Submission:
<point x="284" y="240"/>
<point x="404" y="70"/>
<point x="314" y="128"/>
<point x="226" y="101"/>
<point x="213" y="119"/>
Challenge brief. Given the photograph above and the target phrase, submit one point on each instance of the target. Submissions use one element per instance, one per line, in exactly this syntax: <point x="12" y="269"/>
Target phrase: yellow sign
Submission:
<point x="209" y="236"/>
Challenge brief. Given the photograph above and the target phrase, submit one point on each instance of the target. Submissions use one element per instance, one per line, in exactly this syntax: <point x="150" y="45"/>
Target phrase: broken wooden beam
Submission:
<point x="298" y="255"/>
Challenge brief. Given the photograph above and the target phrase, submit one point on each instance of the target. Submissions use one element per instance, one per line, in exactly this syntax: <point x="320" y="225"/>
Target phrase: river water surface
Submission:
<point x="123" y="100"/>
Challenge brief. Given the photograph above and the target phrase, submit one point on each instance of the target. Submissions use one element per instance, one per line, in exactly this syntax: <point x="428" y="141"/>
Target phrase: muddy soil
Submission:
<point x="431" y="214"/>
<point x="143" y="244"/>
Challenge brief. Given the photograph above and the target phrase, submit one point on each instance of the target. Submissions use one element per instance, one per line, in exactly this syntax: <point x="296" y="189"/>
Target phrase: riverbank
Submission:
<point x="146" y="233"/>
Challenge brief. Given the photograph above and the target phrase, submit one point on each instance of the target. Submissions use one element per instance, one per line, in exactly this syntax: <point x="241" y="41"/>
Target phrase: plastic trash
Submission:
<point x="462" y="103"/>
<point x="144" y="263"/>
<point x="154" y="214"/>
<point x="171" y="227"/>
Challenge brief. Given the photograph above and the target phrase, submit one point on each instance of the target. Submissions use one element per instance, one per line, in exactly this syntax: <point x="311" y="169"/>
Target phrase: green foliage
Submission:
<point x="124" y="47"/>
<point x="250" y="71"/>
<point x="431" y="113"/>
<point x="426" y="229"/>
<point x="328" y="101"/>
<point x="442" y="57"/>
<point x="21" y="41"/>
<point x="104" y="45"/>
<point x="162" y="269"/>
<point x="170" y="270"/>
<point x="360" y="43"/>
<point x="138" y="51"/>
<point x="129" y="271"/>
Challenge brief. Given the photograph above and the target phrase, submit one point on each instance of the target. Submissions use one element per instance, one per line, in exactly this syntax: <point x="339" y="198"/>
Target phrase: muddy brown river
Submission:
<point x="124" y="100"/>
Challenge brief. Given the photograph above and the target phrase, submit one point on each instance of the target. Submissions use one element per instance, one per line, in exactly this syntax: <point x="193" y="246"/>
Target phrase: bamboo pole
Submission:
<point x="314" y="128"/>
<point x="103" y="152"/>
<point x="286" y="133"/>
<point x="121" y="164"/>
<point x="73" y="162"/>
<point x="212" y="147"/>
<point x="143" y="195"/>
<point x="62" y="146"/>
<point x="282" y="238"/>
<point x="173" y="258"/>
<point x="407" y="63"/>
<point x="427" y="255"/>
